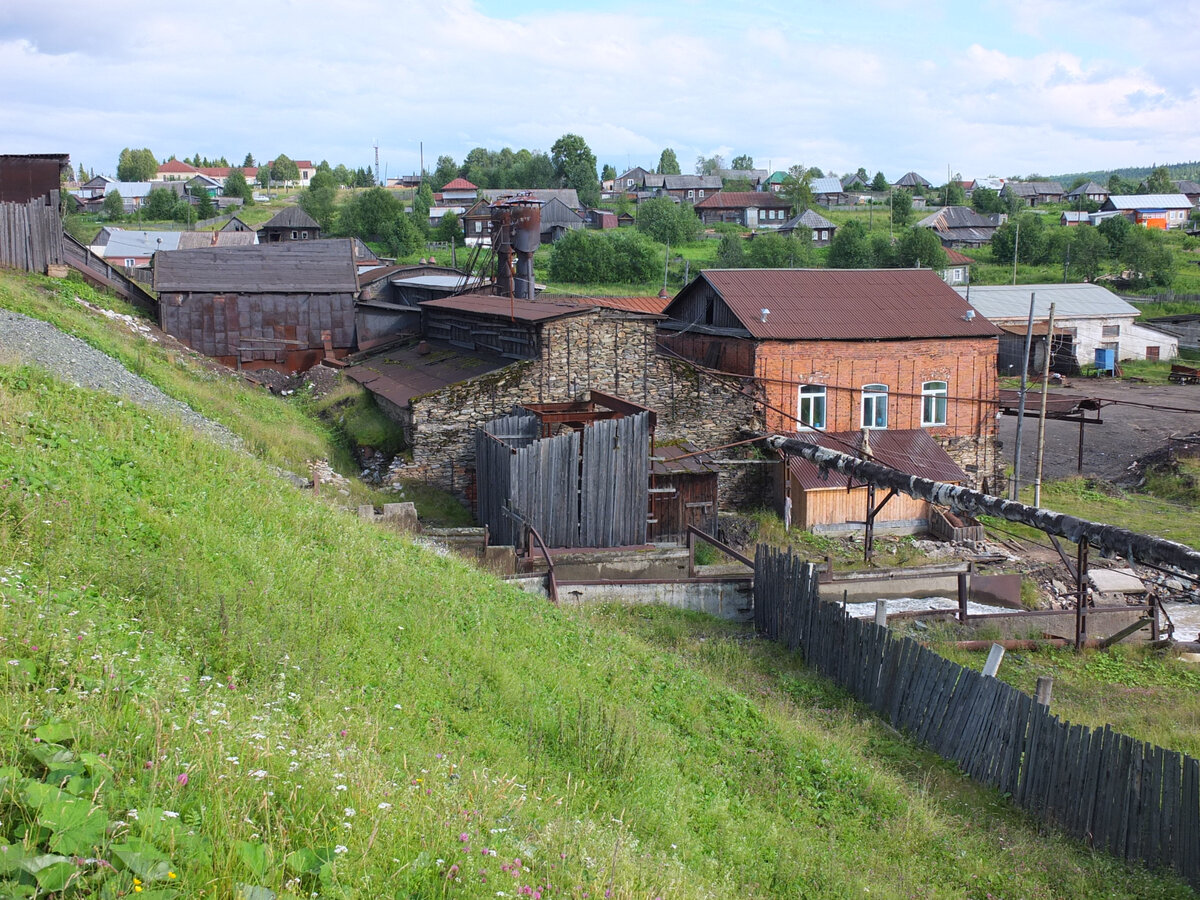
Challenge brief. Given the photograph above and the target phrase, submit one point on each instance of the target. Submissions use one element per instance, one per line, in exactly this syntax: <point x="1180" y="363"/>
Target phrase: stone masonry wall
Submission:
<point x="606" y="351"/>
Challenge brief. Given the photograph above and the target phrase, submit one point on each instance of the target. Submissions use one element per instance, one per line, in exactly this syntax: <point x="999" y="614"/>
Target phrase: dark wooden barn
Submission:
<point x="291" y="224"/>
<point x="280" y="306"/>
<point x="683" y="492"/>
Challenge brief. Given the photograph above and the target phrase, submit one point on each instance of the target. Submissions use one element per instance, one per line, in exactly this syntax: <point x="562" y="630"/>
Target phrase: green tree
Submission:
<point x="709" y="165"/>
<point x="284" y="170"/>
<point x="1032" y="243"/>
<point x="605" y="257"/>
<point x="575" y="166"/>
<point x="850" y="247"/>
<point x="236" y="186"/>
<point x="1118" y="185"/>
<point x="1114" y="230"/>
<point x="1160" y="182"/>
<point x="667" y="163"/>
<point x="883" y="251"/>
<point x="204" y="203"/>
<point x="422" y="203"/>
<point x="402" y="237"/>
<point x="1086" y="252"/>
<point x="608" y="173"/>
<point x="446" y="171"/>
<point x="666" y="221"/>
<point x="264" y="176"/>
<point x="986" y="201"/>
<point x="796" y="188"/>
<point x="248" y="162"/>
<point x="136" y="165"/>
<point x="369" y="215"/>
<point x="742" y="162"/>
<point x="1146" y="255"/>
<point x="160" y="204"/>
<point x="771" y="250"/>
<point x="953" y="194"/>
<point x="902" y="207"/>
<point x="449" y="230"/>
<point x="921" y="246"/>
<point x="114" y="206"/>
<point x="319" y="199"/>
<point x="879" y="183"/>
<point x="731" y="252"/>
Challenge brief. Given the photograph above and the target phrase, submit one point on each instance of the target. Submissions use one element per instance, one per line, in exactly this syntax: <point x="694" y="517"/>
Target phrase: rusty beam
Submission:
<point x="1108" y="538"/>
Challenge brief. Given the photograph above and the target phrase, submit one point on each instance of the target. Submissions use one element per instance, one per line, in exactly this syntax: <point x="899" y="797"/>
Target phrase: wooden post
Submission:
<point x="691" y="545"/>
<point x="1079" y="459"/>
<point x="1041" y="435"/>
<point x="881" y="613"/>
<point x="1081" y="566"/>
<point x="1154" y="633"/>
<point x="962" y="596"/>
<point x="992" y="666"/>
<point x="869" y="528"/>
<point x="1045" y="684"/>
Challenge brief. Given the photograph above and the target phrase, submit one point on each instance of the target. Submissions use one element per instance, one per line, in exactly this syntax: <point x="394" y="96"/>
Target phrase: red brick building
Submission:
<point x="841" y="351"/>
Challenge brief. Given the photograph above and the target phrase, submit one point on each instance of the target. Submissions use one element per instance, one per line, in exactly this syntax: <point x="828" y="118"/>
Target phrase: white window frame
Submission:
<point x="691" y="195"/>
<point x="874" y="406"/>
<point x="934" y="400"/>
<point x="815" y="397"/>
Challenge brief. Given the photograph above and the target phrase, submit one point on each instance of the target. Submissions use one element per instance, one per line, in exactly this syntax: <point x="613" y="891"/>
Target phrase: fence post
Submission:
<point x="881" y="613"/>
<point x="992" y="666"/>
<point x="1045" y="684"/>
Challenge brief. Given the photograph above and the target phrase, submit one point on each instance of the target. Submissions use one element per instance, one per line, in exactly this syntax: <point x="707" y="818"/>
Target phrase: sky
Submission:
<point x="995" y="87"/>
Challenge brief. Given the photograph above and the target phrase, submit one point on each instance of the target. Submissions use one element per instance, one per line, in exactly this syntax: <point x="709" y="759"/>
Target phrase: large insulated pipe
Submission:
<point x="1109" y="538"/>
<point x="502" y="246"/>
<point x="527" y="237"/>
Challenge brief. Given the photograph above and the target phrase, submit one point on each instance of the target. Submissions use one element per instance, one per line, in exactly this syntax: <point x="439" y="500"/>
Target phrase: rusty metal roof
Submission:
<point x="844" y="304"/>
<point x="419" y="368"/>
<point x="670" y="464"/>
<point x="742" y="200"/>
<point x="307" y="267"/>
<point x="647" y="305"/>
<point x="910" y="450"/>
<point x="516" y="309"/>
<point x="1056" y="404"/>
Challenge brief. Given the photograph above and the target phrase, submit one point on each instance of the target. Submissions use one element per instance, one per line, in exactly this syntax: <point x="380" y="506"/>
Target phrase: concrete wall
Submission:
<point x="727" y="599"/>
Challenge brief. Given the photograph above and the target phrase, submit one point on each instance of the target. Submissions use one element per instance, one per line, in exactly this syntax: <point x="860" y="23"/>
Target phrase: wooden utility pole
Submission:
<point x="1014" y="493"/>
<point x="1041" y="442"/>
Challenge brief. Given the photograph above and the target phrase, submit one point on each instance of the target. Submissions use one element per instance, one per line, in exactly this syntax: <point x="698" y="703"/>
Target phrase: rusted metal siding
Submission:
<point x="31" y="177"/>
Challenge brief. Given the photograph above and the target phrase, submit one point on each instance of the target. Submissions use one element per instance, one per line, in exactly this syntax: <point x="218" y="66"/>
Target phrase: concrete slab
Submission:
<point x="1116" y="581"/>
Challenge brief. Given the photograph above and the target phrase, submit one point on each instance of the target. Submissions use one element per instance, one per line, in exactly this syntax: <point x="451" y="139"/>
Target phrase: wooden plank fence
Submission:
<point x="31" y="236"/>
<point x="579" y="489"/>
<point x="1127" y="797"/>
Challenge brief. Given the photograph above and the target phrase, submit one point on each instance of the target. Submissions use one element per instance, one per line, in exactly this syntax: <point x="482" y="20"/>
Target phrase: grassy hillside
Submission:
<point x="215" y="685"/>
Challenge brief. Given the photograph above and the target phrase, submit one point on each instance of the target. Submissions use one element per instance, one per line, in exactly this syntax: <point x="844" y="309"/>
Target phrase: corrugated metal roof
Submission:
<point x="646" y="305"/>
<point x="825" y="186"/>
<point x="1144" y="201"/>
<point x="122" y="243"/>
<point x="190" y="240"/>
<point x="670" y="464"/>
<point x="741" y="200"/>
<point x="312" y="267"/>
<point x="493" y="305"/>
<point x="957" y="259"/>
<point x="1006" y="301"/>
<point x="407" y="372"/>
<point x="684" y="182"/>
<point x="844" y="304"/>
<point x="910" y="450"/>
<point x="1056" y="403"/>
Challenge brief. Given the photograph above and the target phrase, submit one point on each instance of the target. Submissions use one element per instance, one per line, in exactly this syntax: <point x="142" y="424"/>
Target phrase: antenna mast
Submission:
<point x="377" y="162"/>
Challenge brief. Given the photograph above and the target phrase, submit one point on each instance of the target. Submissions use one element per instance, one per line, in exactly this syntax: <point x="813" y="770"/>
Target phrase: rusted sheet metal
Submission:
<point x="1056" y="404"/>
<point x="1110" y="538"/>
<point x="517" y="309"/>
<point x="912" y="450"/>
<point x="33" y="176"/>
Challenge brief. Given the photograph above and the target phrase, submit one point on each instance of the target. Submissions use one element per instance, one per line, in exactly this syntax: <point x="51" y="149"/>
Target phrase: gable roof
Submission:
<point x="291" y="217"/>
<point x="911" y="450"/>
<point x="1090" y="188"/>
<point x="1147" y="201"/>
<point x="689" y="182"/>
<point x="809" y="219"/>
<point x="854" y="178"/>
<point x="310" y="267"/>
<point x="1188" y="187"/>
<point x="825" y="186"/>
<point x="191" y="240"/>
<point x="529" y="311"/>
<point x="123" y="244"/>
<point x="176" y="166"/>
<point x="841" y="304"/>
<point x="1032" y="188"/>
<point x="776" y="177"/>
<point x="954" y="258"/>
<point x="742" y="200"/>
<point x="459" y="184"/>
<point x="567" y="196"/>
<point x="1008" y="301"/>
<point x="911" y="179"/>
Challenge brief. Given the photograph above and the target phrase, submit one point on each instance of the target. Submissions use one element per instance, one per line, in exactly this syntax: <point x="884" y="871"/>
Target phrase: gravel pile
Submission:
<point x="31" y="341"/>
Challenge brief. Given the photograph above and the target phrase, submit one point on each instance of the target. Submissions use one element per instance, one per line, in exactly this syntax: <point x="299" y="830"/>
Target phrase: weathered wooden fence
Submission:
<point x="1124" y="796"/>
<point x="31" y="236"/>
<point x="579" y="489"/>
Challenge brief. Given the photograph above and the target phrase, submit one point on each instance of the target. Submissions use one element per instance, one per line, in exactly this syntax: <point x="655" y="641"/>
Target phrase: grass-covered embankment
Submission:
<point x="212" y="679"/>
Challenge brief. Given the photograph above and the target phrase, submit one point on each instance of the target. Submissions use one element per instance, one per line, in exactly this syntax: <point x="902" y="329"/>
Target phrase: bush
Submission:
<point x="594" y="257"/>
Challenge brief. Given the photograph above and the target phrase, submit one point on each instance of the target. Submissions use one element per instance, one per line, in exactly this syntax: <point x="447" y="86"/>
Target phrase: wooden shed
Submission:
<point x="830" y="503"/>
<point x="683" y="492"/>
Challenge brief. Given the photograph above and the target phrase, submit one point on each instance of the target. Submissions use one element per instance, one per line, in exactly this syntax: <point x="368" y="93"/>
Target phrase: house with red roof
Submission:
<point x="459" y="192"/>
<point x="842" y="351"/>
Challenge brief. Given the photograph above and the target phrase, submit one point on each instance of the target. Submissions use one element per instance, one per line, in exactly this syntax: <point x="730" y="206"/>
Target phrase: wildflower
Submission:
<point x="340" y="787"/>
<point x="349" y="812"/>
<point x="340" y="849"/>
<point x="343" y="732"/>
<point x="385" y="805"/>
<point x="172" y="875"/>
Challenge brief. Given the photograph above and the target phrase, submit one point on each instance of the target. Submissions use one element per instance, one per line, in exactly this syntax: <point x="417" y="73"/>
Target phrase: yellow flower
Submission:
<point x="137" y="888"/>
<point x="137" y="881"/>
<point x="171" y="875"/>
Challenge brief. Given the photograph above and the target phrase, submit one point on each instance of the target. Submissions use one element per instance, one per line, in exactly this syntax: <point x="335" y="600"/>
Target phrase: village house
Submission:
<point x="750" y="209"/>
<point x="1096" y="193"/>
<point x="689" y="188"/>
<point x="283" y="306"/>
<point x="826" y="191"/>
<point x="459" y="192"/>
<point x="911" y="181"/>
<point x="289" y="224"/>
<point x="961" y="226"/>
<point x="755" y="177"/>
<point x="839" y="351"/>
<point x="1162" y="211"/>
<point x="958" y="268"/>
<point x="1087" y="317"/>
<point x="631" y="180"/>
<point x="822" y="229"/>
<point x="1189" y="189"/>
<point x="1033" y="193"/>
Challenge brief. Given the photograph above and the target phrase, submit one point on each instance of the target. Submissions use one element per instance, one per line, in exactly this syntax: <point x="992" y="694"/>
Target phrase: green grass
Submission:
<point x="250" y="688"/>
<point x="890" y="551"/>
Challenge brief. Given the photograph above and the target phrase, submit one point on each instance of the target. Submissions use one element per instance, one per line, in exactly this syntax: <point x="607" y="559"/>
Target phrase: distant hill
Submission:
<point x="1179" y="171"/>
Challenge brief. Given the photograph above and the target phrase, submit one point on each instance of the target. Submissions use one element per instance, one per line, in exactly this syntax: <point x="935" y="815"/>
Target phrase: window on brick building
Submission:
<point x="812" y="406"/>
<point x="875" y="406"/>
<point x="933" y="403"/>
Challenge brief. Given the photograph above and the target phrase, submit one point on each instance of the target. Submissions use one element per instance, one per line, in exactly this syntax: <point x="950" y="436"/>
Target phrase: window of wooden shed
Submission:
<point x="933" y="403"/>
<point x="812" y="406"/>
<point x="875" y="406"/>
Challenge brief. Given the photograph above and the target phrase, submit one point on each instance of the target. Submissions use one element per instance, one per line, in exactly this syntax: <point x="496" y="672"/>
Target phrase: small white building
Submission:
<point x="1087" y="317"/>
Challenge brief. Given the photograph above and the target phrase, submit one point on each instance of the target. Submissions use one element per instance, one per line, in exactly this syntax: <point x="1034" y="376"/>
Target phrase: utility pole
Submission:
<point x="1014" y="492"/>
<point x="1041" y="444"/>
